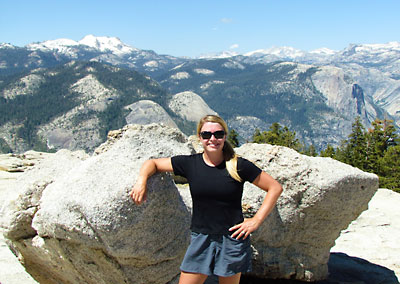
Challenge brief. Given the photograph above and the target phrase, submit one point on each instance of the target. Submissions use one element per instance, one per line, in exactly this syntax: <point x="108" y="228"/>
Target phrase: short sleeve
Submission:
<point x="179" y="165"/>
<point x="247" y="170"/>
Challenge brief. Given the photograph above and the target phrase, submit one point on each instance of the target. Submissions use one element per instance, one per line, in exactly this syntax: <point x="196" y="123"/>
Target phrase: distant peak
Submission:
<point x="104" y="43"/>
<point x="53" y="44"/>
<point x="323" y="51"/>
<point x="223" y="54"/>
<point x="95" y="41"/>
<point x="375" y="47"/>
<point x="284" y="51"/>
<point x="6" y="45"/>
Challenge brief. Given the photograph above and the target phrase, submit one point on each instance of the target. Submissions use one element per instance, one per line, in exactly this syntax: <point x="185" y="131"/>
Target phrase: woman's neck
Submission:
<point x="213" y="159"/>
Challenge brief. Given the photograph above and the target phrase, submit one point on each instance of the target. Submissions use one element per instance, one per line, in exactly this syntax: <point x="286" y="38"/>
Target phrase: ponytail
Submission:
<point x="231" y="159"/>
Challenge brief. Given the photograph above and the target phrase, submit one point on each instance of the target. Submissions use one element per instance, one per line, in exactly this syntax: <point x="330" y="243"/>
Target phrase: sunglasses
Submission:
<point x="217" y="134"/>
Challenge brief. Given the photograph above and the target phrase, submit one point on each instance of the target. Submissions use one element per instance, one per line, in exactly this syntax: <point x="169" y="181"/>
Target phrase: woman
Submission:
<point x="220" y="242"/>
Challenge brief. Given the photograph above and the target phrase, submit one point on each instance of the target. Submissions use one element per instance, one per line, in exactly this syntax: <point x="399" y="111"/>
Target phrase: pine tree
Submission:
<point x="379" y="138"/>
<point x="273" y="136"/>
<point x="311" y="151"/>
<point x="258" y="137"/>
<point x="277" y="135"/>
<point x="377" y="151"/>
<point x="390" y="169"/>
<point x="328" y="152"/>
<point x="233" y="138"/>
<point x="356" y="147"/>
<point x="289" y="139"/>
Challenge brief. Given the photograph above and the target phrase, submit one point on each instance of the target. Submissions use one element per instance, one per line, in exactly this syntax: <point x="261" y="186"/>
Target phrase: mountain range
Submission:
<point x="91" y="86"/>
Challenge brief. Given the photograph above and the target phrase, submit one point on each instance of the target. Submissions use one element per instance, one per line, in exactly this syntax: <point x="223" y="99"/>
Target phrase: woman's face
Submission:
<point x="212" y="144"/>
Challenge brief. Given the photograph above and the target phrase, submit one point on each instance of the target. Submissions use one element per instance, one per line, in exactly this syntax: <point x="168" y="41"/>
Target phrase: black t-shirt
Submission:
<point x="215" y="194"/>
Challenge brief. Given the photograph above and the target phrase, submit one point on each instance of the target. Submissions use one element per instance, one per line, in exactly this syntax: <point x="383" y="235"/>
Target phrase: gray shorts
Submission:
<point x="219" y="255"/>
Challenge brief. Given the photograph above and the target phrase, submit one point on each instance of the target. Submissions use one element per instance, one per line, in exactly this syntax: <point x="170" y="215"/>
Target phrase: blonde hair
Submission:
<point x="228" y="152"/>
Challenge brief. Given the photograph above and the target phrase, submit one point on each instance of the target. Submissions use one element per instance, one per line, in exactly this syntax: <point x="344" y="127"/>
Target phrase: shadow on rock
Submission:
<point x="342" y="269"/>
<point x="348" y="269"/>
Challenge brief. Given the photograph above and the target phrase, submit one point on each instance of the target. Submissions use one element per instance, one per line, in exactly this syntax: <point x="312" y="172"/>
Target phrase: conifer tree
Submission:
<point x="356" y="146"/>
<point x="277" y="135"/>
<point x="257" y="136"/>
<point x="377" y="151"/>
<point x="379" y="138"/>
<point x="342" y="152"/>
<point x="274" y="135"/>
<point x="328" y="152"/>
<point x="233" y="138"/>
<point x="390" y="169"/>
<point x="309" y="151"/>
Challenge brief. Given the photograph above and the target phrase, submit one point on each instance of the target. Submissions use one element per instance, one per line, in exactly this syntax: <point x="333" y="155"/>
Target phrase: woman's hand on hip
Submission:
<point x="244" y="229"/>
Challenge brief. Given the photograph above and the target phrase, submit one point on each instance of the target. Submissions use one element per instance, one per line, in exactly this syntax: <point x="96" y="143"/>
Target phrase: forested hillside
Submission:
<point x="32" y="100"/>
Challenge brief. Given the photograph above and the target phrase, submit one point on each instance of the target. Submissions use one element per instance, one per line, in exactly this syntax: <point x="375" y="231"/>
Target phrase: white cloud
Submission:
<point x="226" y="20"/>
<point x="234" y="46"/>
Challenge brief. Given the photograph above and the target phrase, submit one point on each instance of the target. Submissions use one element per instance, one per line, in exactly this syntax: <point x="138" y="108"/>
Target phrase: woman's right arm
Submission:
<point x="149" y="168"/>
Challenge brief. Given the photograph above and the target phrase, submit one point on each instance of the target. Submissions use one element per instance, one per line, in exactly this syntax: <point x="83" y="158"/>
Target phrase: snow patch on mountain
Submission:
<point x="67" y="46"/>
<point x="107" y="44"/>
<point x="282" y="52"/>
<point x="6" y="45"/>
<point x="383" y="57"/>
<point x="223" y="54"/>
<point x="378" y="48"/>
<point x="323" y="51"/>
<point x="60" y="45"/>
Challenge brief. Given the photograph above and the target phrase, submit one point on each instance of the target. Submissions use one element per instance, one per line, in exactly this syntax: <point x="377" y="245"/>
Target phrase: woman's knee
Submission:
<point x="192" y="278"/>
<point x="234" y="279"/>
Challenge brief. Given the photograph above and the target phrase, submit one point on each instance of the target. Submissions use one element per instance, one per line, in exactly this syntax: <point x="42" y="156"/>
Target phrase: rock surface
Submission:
<point x="81" y="225"/>
<point x="146" y="112"/>
<point x="374" y="235"/>
<point x="189" y="106"/>
<point x="74" y="221"/>
<point x="321" y="197"/>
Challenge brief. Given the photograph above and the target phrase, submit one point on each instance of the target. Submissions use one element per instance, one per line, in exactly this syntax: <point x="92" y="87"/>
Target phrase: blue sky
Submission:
<point x="191" y="28"/>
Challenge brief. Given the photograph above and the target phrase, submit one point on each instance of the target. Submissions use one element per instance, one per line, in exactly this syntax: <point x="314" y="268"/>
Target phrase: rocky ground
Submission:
<point x="368" y="251"/>
<point x="11" y="270"/>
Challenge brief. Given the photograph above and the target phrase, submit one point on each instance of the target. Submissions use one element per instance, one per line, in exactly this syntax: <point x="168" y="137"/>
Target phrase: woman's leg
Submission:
<point x="235" y="279"/>
<point x="192" y="278"/>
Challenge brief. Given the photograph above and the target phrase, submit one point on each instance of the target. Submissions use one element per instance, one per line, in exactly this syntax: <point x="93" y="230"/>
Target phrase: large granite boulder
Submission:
<point x="321" y="197"/>
<point x="72" y="220"/>
<point x="81" y="226"/>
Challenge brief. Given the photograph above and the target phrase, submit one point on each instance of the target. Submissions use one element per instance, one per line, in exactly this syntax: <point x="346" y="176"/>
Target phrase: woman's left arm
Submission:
<point x="274" y="190"/>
